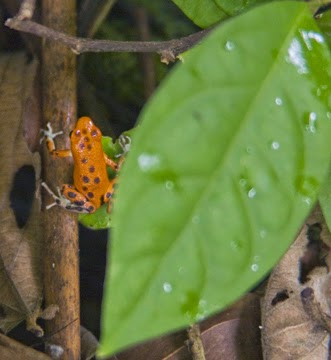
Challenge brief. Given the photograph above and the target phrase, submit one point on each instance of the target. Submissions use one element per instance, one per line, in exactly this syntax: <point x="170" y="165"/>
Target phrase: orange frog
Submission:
<point x="91" y="187"/>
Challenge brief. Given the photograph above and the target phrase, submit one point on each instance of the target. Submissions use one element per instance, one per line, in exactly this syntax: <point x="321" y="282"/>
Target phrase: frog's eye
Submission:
<point x="77" y="132"/>
<point x="94" y="133"/>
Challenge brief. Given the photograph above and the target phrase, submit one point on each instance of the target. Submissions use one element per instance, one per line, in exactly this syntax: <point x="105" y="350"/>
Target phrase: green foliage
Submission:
<point x="166" y="20"/>
<point x="233" y="7"/>
<point x="224" y="169"/>
<point x="205" y="13"/>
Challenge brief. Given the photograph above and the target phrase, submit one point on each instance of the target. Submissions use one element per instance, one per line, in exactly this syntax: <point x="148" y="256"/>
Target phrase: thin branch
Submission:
<point x="27" y="9"/>
<point x="169" y="50"/>
<point x="195" y="342"/>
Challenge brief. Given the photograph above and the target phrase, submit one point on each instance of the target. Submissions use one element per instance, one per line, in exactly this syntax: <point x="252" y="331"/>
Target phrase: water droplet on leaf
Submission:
<point x="278" y="101"/>
<point x="307" y="200"/>
<point x="310" y="121"/>
<point x="194" y="307"/>
<point x="275" y="145"/>
<point x="251" y="193"/>
<point x="229" y="45"/>
<point x="167" y="287"/>
<point x="296" y="56"/>
<point x="255" y="267"/>
<point x="148" y="162"/>
<point x="202" y="310"/>
<point x="309" y="37"/>
<point x="169" y="185"/>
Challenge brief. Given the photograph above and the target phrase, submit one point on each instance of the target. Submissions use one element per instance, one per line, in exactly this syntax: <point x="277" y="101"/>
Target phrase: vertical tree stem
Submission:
<point x="61" y="278"/>
<point x="147" y="62"/>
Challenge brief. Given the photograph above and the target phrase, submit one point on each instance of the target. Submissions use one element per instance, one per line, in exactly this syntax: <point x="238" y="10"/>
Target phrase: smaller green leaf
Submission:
<point x="234" y="7"/>
<point x="203" y="13"/>
<point x="101" y="219"/>
<point x="111" y="148"/>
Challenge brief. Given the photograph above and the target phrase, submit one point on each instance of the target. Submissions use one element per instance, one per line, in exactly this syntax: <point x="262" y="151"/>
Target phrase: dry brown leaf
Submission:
<point x="233" y="334"/>
<point x="20" y="274"/>
<point x="296" y="307"/>
<point x="11" y="349"/>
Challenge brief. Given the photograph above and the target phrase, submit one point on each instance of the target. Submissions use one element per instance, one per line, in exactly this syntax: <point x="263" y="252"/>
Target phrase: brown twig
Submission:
<point x="27" y="9"/>
<point x="168" y="49"/>
<point x="195" y="343"/>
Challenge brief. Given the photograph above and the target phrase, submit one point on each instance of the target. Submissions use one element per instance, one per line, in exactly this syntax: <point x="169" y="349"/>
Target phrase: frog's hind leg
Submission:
<point x="60" y="200"/>
<point x="77" y="201"/>
<point x="70" y="199"/>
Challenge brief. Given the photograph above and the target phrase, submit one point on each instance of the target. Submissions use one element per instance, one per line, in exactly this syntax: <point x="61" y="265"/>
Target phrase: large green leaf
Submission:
<point x="224" y="168"/>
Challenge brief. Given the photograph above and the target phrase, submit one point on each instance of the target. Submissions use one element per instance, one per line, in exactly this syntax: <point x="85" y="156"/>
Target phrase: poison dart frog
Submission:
<point x="91" y="186"/>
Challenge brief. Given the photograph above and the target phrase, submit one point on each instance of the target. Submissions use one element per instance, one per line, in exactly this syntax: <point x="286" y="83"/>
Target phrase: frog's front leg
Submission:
<point x="70" y="199"/>
<point x="116" y="166"/>
<point x="49" y="136"/>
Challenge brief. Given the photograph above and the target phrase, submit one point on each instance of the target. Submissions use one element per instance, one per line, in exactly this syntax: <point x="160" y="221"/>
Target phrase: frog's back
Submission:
<point x="90" y="172"/>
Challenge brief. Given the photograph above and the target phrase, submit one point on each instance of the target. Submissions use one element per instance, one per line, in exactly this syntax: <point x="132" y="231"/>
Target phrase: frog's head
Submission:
<point x="85" y="127"/>
<point x="84" y="123"/>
